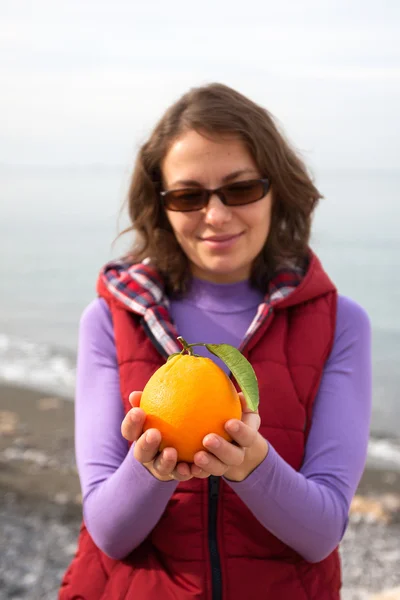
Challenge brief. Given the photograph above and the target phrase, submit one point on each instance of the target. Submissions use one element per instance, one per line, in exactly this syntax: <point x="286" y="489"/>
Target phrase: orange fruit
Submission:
<point x="186" y="399"/>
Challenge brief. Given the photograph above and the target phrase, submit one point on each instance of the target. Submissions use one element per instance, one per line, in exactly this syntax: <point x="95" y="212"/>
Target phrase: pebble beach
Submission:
<point x="40" y="507"/>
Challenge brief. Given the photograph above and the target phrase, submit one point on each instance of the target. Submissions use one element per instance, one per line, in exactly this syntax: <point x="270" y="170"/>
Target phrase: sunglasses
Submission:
<point x="233" y="194"/>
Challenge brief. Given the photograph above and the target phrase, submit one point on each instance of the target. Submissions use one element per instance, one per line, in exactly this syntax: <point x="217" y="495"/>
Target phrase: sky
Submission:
<point x="83" y="82"/>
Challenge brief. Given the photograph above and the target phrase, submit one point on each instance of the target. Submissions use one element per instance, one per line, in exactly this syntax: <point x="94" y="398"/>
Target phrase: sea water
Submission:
<point x="57" y="227"/>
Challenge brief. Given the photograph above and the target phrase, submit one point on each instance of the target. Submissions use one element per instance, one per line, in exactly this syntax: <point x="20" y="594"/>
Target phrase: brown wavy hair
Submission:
<point x="213" y="110"/>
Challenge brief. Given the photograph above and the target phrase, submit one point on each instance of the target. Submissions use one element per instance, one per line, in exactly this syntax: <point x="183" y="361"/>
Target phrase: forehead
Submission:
<point x="196" y="156"/>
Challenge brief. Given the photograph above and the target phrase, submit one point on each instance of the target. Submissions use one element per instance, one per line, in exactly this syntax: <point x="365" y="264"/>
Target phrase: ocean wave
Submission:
<point x="384" y="453"/>
<point x="37" y="366"/>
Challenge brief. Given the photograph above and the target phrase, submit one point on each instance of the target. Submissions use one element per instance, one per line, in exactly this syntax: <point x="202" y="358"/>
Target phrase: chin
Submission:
<point x="226" y="273"/>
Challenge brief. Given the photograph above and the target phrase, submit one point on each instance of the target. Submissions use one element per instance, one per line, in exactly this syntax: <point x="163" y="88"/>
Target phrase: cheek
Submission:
<point x="182" y="225"/>
<point x="260" y="219"/>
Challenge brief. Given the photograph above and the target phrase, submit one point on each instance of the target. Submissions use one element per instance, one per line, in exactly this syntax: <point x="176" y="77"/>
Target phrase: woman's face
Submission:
<point x="221" y="242"/>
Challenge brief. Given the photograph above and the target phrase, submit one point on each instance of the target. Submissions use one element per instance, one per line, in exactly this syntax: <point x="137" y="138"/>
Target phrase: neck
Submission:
<point x="220" y="278"/>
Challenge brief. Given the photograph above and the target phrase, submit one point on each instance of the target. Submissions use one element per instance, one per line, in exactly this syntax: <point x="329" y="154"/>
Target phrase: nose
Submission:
<point x="216" y="212"/>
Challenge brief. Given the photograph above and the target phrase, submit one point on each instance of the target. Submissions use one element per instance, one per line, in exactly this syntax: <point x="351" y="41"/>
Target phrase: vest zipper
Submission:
<point x="216" y="580"/>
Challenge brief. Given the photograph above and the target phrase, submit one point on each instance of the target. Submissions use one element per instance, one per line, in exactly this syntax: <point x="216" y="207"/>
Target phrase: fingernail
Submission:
<point x="203" y="459"/>
<point x="149" y="437"/>
<point x="234" y="427"/>
<point x="213" y="442"/>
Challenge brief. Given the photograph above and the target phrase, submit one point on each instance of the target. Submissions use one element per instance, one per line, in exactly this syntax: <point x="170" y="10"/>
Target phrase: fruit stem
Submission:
<point x="196" y="344"/>
<point x="187" y="348"/>
<point x="185" y="345"/>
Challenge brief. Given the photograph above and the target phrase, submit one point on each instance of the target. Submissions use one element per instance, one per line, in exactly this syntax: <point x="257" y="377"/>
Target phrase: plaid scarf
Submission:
<point x="139" y="287"/>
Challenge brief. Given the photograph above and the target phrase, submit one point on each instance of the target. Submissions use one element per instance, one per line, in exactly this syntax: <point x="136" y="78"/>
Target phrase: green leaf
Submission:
<point x="241" y="369"/>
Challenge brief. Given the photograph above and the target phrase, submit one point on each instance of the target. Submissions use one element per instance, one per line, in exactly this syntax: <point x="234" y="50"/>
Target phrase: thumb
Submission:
<point x="245" y="408"/>
<point x="252" y="420"/>
<point x="249" y="417"/>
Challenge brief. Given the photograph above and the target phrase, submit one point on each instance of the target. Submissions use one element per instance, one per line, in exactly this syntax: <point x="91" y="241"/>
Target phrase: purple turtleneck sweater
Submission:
<point x="308" y="510"/>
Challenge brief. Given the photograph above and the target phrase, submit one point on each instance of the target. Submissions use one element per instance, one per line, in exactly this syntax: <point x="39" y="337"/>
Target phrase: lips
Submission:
<point x="221" y="243"/>
<point x="221" y="238"/>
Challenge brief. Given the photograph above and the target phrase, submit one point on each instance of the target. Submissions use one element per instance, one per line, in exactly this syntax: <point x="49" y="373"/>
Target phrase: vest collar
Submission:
<point x="139" y="288"/>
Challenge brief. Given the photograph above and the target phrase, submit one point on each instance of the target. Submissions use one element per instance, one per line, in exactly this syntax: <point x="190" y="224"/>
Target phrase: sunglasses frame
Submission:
<point x="207" y="193"/>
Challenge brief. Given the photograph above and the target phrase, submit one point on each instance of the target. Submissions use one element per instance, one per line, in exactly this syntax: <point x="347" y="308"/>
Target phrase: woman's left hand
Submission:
<point x="233" y="460"/>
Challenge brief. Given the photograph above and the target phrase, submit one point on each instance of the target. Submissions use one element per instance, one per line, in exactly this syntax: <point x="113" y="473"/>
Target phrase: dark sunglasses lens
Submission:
<point x="184" y="200"/>
<point x="244" y="192"/>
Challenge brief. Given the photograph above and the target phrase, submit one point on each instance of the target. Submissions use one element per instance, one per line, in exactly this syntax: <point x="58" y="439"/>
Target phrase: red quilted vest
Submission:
<point x="208" y="545"/>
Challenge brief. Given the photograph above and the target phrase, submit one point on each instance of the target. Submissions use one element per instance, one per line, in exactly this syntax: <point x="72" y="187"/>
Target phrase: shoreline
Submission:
<point x="41" y="507"/>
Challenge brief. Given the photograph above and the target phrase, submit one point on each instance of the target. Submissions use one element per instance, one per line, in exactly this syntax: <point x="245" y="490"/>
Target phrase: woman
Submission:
<point x="221" y="209"/>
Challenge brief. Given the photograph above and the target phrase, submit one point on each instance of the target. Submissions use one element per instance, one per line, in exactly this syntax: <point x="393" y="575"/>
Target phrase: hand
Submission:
<point x="162" y="465"/>
<point x="233" y="460"/>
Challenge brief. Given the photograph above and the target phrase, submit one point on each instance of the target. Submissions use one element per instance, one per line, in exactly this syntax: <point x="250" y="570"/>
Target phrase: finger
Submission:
<point x="209" y="463"/>
<point x="132" y="425"/>
<point x="182" y="472"/>
<point x="165" y="466"/>
<point x="245" y="432"/>
<point x="146" y="447"/>
<point x="134" y="398"/>
<point x="250" y="417"/>
<point x="252" y="420"/>
<point x="245" y="408"/>
<point x="229" y="454"/>
<point x="198" y="472"/>
<point x="165" y="462"/>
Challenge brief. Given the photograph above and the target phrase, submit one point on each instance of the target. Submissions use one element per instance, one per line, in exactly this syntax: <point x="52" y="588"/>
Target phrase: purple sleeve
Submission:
<point x="308" y="510"/>
<point x="122" y="501"/>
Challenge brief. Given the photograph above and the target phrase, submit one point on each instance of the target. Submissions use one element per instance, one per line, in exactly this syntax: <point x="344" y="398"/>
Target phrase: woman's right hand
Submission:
<point x="162" y="465"/>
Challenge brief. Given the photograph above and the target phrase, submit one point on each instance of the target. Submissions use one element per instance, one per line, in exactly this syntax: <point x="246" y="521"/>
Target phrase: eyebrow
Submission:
<point x="226" y="179"/>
